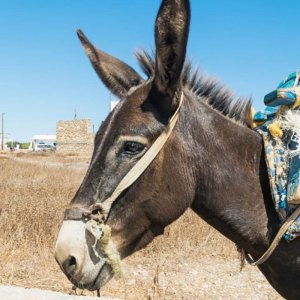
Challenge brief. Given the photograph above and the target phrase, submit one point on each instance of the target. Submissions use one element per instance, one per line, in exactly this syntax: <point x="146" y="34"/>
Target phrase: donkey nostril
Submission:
<point x="70" y="265"/>
<point x="72" y="261"/>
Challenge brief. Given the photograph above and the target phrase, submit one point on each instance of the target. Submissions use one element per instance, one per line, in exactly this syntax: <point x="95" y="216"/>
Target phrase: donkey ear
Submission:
<point x="171" y="35"/>
<point x="115" y="74"/>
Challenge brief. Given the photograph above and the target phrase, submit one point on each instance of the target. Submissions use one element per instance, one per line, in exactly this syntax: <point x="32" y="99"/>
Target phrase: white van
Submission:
<point x="43" y="147"/>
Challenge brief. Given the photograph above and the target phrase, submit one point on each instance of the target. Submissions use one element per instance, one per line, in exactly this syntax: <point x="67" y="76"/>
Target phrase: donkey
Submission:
<point x="212" y="162"/>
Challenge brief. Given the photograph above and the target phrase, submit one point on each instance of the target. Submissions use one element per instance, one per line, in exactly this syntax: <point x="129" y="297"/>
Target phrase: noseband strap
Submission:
<point x="73" y="213"/>
<point x="94" y="212"/>
<point x="135" y="172"/>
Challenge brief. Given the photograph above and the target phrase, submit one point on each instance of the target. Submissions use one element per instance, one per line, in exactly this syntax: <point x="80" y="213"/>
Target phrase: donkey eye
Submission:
<point x="132" y="148"/>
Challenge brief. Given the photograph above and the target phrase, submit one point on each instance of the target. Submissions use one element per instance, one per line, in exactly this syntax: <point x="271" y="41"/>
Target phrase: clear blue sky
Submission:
<point x="44" y="73"/>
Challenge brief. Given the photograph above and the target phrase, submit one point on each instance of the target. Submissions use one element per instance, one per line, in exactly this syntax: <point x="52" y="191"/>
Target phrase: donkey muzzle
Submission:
<point x="79" y="255"/>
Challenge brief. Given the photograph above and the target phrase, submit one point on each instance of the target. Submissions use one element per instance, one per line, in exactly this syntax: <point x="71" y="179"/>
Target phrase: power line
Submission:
<point x="2" y="135"/>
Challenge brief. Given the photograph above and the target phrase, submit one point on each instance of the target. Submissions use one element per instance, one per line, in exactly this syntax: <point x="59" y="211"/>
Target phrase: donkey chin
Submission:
<point x="83" y="262"/>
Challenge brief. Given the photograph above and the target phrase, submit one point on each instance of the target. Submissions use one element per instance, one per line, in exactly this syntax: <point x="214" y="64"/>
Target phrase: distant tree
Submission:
<point x="24" y="145"/>
<point x="12" y="144"/>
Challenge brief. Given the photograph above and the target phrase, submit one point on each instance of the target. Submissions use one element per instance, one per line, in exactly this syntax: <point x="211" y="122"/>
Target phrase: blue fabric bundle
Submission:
<point x="268" y="114"/>
<point x="285" y="94"/>
<point x="279" y="126"/>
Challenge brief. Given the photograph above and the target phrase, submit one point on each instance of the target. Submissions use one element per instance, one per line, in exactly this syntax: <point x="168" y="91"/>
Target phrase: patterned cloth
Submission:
<point x="280" y="129"/>
<point x="280" y="170"/>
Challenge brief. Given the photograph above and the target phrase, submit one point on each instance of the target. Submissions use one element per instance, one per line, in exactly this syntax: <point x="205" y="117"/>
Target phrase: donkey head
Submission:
<point x="157" y="198"/>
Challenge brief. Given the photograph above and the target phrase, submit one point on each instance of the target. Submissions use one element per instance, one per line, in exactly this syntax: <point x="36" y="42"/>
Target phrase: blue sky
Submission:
<point x="44" y="73"/>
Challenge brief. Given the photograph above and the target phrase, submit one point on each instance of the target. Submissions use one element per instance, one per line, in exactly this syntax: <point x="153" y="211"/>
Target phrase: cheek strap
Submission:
<point x="138" y="169"/>
<point x="101" y="212"/>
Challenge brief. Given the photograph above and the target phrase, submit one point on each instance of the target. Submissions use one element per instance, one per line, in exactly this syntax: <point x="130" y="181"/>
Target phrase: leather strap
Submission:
<point x="139" y="168"/>
<point x="276" y="240"/>
<point x="134" y="173"/>
<point x="74" y="213"/>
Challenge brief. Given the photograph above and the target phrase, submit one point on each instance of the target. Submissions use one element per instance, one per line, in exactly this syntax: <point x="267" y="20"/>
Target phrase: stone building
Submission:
<point x="74" y="137"/>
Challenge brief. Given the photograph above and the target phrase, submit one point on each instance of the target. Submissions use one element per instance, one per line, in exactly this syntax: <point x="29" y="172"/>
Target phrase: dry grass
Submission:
<point x="48" y="156"/>
<point x="32" y="199"/>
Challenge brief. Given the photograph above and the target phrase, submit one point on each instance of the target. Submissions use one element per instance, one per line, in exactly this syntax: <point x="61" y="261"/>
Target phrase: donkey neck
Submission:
<point x="232" y="190"/>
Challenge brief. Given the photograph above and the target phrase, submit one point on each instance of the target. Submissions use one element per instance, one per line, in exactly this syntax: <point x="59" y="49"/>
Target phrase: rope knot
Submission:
<point x="95" y="212"/>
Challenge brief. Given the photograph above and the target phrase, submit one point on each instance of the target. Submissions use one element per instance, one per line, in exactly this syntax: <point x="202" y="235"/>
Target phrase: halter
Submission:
<point x="96" y="215"/>
<point x="100" y="211"/>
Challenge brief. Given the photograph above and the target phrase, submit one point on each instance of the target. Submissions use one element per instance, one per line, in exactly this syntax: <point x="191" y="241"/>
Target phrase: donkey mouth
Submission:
<point x="103" y="276"/>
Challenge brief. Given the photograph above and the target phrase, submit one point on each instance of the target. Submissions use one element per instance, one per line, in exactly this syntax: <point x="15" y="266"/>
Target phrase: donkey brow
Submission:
<point x="134" y="138"/>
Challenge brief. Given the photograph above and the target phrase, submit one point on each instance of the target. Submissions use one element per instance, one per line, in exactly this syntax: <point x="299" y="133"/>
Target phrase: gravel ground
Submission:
<point x="205" y="278"/>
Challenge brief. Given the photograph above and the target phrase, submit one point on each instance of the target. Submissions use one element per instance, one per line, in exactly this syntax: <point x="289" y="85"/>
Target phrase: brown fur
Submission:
<point x="211" y="163"/>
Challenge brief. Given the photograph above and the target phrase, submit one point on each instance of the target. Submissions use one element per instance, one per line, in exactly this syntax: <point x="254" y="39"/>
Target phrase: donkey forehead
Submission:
<point x="135" y="115"/>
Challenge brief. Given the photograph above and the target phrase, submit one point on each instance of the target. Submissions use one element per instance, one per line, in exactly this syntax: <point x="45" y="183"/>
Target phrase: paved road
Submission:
<point x="18" y="293"/>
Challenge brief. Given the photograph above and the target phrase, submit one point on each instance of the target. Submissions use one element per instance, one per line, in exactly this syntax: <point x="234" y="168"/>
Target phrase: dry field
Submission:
<point x="190" y="261"/>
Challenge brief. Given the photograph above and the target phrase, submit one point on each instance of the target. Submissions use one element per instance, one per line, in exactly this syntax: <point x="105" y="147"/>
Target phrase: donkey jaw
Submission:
<point x="91" y="281"/>
<point x="104" y="275"/>
<point x="80" y="258"/>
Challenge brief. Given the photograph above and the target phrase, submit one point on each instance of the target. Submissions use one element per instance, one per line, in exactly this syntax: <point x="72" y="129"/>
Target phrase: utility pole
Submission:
<point x="75" y="115"/>
<point x="2" y="133"/>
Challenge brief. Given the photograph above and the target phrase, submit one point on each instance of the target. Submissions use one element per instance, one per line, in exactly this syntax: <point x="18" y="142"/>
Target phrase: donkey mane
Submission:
<point x="207" y="89"/>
